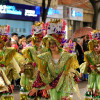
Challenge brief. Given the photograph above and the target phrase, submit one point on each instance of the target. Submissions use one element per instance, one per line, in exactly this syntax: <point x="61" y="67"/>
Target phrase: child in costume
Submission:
<point x="31" y="74"/>
<point x="92" y="66"/>
<point x="56" y="66"/>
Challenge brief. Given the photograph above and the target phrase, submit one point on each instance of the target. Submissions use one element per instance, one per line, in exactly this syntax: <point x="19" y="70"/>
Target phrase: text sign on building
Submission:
<point x="76" y="14"/>
<point x="55" y="13"/>
<point x="7" y="9"/>
<point x="20" y="12"/>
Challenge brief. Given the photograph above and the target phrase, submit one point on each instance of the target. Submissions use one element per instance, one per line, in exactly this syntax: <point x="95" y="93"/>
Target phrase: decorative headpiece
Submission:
<point x="38" y="31"/>
<point x="4" y="31"/>
<point x="69" y="47"/>
<point x="56" y="28"/>
<point x="95" y="34"/>
<point x="38" y="28"/>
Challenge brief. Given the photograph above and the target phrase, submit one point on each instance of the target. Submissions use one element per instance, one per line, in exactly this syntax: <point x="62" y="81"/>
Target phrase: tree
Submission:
<point x="45" y="9"/>
<point x="96" y="12"/>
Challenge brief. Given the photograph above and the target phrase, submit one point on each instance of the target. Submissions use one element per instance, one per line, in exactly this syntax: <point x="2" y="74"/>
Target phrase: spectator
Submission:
<point x="79" y="52"/>
<point x="14" y="37"/>
<point x="85" y="43"/>
<point x="23" y="42"/>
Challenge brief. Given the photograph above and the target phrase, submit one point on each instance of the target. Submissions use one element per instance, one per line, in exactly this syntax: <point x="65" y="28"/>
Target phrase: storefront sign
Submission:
<point x="52" y="11"/>
<point x="30" y="13"/>
<point x="20" y="12"/>
<point x="7" y="9"/>
<point x="55" y="13"/>
<point x="76" y="14"/>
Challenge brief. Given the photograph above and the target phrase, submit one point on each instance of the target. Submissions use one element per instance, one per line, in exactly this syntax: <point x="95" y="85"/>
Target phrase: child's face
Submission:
<point x="97" y="48"/>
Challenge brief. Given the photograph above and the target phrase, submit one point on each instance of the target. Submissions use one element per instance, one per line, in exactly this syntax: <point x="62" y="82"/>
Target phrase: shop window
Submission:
<point x="17" y="29"/>
<point x="11" y="29"/>
<point x="24" y="30"/>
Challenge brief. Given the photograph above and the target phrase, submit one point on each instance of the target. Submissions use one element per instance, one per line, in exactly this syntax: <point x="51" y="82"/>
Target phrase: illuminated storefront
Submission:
<point x="19" y="17"/>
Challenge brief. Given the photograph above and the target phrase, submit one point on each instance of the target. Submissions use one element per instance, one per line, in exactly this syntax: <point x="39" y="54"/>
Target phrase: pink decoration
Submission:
<point x="2" y="65"/>
<point x="64" y="24"/>
<point x="34" y="64"/>
<point x="90" y="36"/>
<point x="8" y="28"/>
<point x="15" y="46"/>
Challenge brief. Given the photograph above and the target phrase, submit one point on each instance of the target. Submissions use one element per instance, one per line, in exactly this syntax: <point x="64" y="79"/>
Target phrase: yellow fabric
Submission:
<point x="71" y="63"/>
<point x="20" y="60"/>
<point x="16" y="66"/>
<point x="7" y="98"/>
<point x="41" y="66"/>
<point x="3" y="78"/>
<point x="10" y="52"/>
<point x="26" y="53"/>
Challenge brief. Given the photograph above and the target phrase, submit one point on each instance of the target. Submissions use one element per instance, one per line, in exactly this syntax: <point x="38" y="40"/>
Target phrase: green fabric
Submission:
<point x="94" y="80"/>
<point x="54" y="95"/>
<point x="66" y="84"/>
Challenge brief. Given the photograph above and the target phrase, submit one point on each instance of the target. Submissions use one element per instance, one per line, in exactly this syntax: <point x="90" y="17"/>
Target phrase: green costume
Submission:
<point x="59" y="73"/>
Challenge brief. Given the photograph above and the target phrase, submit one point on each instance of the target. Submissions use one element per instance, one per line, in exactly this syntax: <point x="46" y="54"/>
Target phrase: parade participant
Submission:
<point x="56" y="66"/>
<point x="5" y="86"/>
<point x="6" y="55"/>
<point x="92" y="66"/>
<point x="30" y="53"/>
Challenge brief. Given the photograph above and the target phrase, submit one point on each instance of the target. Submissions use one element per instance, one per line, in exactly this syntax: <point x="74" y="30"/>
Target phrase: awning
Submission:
<point x="82" y="32"/>
<point x="54" y="3"/>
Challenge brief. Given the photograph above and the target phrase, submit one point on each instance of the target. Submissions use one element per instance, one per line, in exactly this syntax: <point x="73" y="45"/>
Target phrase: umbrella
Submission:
<point x="82" y="32"/>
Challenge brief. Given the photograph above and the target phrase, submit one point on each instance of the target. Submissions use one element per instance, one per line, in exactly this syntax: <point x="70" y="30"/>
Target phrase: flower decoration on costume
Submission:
<point x="95" y="35"/>
<point x="69" y="47"/>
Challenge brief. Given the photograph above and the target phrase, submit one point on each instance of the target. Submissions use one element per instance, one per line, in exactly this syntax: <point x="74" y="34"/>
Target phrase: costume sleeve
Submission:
<point x="20" y="60"/>
<point x="42" y="60"/>
<point x="10" y="52"/>
<point x="27" y="54"/>
<point x="84" y="66"/>
<point x="4" y="76"/>
<point x="70" y="67"/>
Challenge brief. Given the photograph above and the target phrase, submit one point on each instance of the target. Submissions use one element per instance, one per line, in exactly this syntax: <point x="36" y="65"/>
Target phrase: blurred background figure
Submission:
<point x="85" y="43"/>
<point x="28" y="40"/>
<point x="14" y="37"/>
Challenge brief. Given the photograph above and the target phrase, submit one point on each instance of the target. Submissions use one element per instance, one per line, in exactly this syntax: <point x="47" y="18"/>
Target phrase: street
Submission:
<point x="82" y="87"/>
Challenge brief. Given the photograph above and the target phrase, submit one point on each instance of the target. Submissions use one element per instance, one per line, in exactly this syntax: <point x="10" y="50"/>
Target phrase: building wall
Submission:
<point x="20" y="27"/>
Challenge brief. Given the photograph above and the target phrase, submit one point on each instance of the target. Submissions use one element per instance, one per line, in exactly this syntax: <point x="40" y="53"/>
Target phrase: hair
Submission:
<point x="29" y="36"/>
<point x="14" y="34"/>
<point x="22" y="36"/>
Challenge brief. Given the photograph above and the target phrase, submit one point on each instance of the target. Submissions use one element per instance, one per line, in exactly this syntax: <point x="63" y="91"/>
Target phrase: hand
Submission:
<point x="32" y="92"/>
<point x="48" y="87"/>
<point x="92" y="67"/>
<point x="10" y="89"/>
<point x="81" y="75"/>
